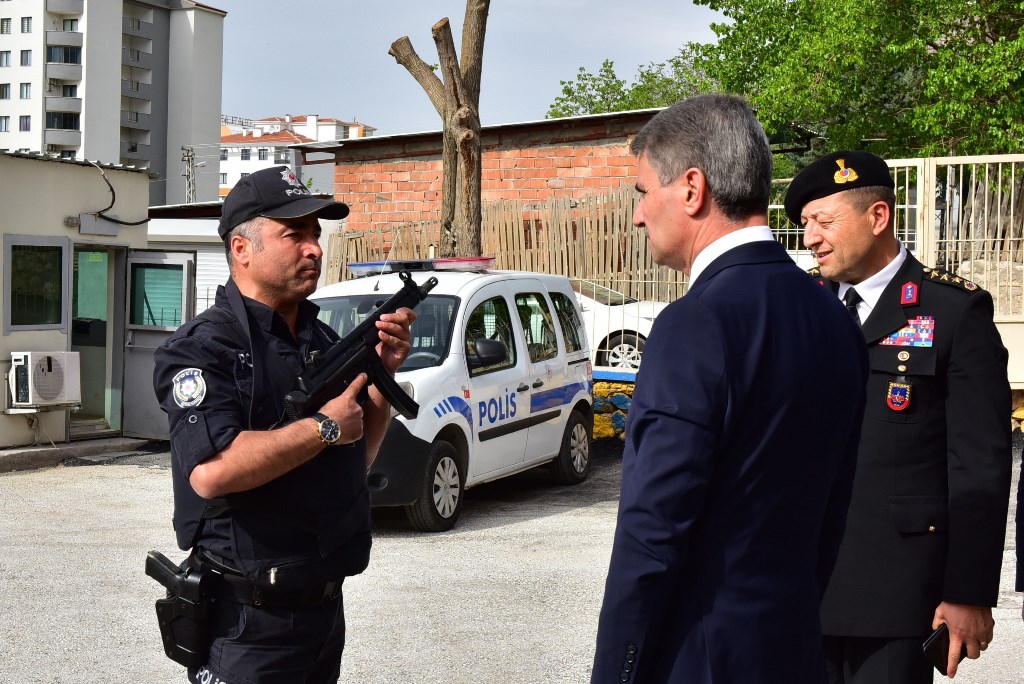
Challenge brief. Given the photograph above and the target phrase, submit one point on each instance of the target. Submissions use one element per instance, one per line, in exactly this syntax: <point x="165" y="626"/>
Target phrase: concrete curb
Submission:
<point x="29" y="458"/>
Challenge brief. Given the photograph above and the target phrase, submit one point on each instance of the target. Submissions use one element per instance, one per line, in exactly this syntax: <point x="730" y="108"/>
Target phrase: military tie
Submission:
<point x="852" y="299"/>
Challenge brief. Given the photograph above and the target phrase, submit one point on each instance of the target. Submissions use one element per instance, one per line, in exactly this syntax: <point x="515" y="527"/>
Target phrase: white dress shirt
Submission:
<point x="724" y="244"/>
<point x="870" y="289"/>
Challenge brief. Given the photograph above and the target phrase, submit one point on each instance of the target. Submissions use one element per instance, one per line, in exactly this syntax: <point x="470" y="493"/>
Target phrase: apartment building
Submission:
<point x="248" y="145"/>
<point x="94" y="79"/>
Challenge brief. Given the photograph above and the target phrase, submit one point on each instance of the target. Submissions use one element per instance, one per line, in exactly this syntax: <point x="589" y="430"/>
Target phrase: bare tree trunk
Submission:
<point x="457" y="102"/>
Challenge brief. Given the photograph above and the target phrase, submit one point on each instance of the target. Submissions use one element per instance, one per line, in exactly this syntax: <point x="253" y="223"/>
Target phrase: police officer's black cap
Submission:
<point x="836" y="172"/>
<point x="274" y="193"/>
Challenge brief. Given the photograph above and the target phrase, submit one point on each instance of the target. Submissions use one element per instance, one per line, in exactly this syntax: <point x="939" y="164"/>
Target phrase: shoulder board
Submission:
<point x="938" y="275"/>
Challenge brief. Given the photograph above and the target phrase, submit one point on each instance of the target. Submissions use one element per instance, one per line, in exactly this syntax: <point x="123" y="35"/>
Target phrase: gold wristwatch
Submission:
<point x="327" y="429"/>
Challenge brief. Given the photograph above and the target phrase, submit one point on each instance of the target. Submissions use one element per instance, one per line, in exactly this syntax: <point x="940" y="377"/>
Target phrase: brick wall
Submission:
<point x="397" y="179"/>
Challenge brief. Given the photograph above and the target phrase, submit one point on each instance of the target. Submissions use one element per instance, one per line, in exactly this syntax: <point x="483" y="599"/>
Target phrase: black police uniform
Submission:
<point x="283" y="548"/>
<point x="928" y="513"/>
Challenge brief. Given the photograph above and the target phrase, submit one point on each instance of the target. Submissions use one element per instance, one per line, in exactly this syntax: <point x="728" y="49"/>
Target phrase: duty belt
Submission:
<point x="232" y="585"/>
<point x="238" y="588"/>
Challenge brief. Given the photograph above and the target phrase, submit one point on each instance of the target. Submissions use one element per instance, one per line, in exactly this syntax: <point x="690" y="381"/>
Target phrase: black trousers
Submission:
<point x="251" y="645"/>
<point x="866" y="660"/>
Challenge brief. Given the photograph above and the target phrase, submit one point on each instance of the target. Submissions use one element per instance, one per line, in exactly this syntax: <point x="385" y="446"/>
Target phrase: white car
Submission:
<point x="501" y="370"/>
<point x="617" y="325"/>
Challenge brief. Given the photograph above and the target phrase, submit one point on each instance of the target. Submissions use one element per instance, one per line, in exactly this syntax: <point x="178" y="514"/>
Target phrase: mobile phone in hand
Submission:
<point x="936" y="648"/>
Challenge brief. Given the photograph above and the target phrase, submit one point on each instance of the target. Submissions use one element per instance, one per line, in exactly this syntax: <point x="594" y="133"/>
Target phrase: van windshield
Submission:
<point x="431" y="333"/>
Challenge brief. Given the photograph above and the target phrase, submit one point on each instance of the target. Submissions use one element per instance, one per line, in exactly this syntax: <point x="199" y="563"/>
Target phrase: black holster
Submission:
<point x="183" y="615"/>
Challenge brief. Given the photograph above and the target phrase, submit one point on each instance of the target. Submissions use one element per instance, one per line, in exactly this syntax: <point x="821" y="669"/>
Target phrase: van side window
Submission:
<point x="538" y="328"/>
<point x="491" y="320"/>
<point x="569" y="319"/>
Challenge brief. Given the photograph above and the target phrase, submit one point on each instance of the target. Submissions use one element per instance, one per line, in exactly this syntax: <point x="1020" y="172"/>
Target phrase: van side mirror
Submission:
<point x="488" y="353"/>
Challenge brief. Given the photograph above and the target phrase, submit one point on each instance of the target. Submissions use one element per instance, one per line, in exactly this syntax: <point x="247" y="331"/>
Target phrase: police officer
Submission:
<point x="924" y="536"/>
<point x="276" y="509"/>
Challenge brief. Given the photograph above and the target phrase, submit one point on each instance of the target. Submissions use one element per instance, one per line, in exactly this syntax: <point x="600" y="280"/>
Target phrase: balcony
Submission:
<point x="137" y="58"/>
<point x="136" y="27"/>
<point x="136" y="89"/>
<point x="134" y="150"/>
<point x="65" y="38"/>
<point x="59" y="136"/>
<point x="65" y="7"/>
<point x="137" y="120"/>
<point x="64" y="104"/>
<point x="64" y="72"/>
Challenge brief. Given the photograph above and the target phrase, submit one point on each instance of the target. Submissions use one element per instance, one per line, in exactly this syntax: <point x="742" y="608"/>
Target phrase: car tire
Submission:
<point x="572" y="465"/>
<point x="623" y="351"/>
<point x="440" y="501"/>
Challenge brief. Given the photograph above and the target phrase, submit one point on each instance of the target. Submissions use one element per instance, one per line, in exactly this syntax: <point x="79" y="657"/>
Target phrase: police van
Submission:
<point x="500" y="368"/>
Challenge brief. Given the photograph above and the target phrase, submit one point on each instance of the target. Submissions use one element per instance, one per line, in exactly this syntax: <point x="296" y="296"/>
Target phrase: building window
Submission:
<point x="246" y="154"/>
<point x="5" y="58"/>
<point x="263" y="153"/>
<point x="34" y="277"/>
<point x="67" y="154"/>
<point x="244" y="175"/>
<point x="26" y="58"/>
<point x="26" y="24"/>
<point x="63" y="54"/>
<point x="5" y="124"/>
<point x="133" y="55"/>
<point x="5" y="25"/>
<point x="26" y="91"/>
<point x="223" y="155"/>
<point x="223" y="179"/>
<point x="25" y="123"/>
<point x="66" y="121"/>
<point x="5" y="91"/>
<point x="70" y="24"/>
<point x="69" y="91"/>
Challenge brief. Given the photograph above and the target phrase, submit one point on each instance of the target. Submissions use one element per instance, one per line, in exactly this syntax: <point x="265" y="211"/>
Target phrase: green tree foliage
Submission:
<point x="900" y="77"/>
<point x="656" y="85"/>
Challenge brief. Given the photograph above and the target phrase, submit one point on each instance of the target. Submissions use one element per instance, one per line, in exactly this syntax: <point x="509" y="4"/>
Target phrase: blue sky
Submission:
<point x="330" y="57"/>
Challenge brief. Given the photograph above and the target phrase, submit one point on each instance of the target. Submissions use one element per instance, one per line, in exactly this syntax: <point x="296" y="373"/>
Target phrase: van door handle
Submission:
<point x="538" y="383"/>
<point x="522" y="388"/>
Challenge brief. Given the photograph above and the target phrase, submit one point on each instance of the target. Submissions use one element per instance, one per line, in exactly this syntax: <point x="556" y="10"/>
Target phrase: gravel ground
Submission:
<point x="512" y="594"/>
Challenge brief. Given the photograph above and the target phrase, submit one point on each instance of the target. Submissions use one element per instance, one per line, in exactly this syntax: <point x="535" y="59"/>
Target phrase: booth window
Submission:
<point x="34" y="283"/>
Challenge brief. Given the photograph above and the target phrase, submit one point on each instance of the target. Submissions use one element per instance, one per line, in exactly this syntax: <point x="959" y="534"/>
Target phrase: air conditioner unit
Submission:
<point x="44" y="379"/>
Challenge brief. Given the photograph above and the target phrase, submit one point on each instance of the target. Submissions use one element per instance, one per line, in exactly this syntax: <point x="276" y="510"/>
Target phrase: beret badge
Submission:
<point x="844" y="175"/>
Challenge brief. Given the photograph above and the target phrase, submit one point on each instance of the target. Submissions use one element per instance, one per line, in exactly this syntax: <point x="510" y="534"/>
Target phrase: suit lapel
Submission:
<point x="894" y="309"/>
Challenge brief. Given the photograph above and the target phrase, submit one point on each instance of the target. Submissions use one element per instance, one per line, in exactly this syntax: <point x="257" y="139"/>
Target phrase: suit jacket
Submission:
<point x="928" y="514"/>
<point x="740" y="449"/>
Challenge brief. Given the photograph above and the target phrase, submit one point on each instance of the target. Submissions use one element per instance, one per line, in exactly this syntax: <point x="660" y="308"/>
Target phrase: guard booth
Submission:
<point x="84" y="303"/>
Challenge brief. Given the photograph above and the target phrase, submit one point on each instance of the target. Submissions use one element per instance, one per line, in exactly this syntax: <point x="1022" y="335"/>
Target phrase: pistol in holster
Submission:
<point x="183" y="615"/>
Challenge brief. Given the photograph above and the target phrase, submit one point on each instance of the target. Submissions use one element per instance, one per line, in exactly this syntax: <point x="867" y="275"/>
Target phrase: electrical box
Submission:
<point x="44" y="379"/>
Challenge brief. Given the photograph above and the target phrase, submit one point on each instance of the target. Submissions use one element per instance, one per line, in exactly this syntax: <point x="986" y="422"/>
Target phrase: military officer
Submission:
<point x="276" y="510"/>
<point x="924" y="536"/>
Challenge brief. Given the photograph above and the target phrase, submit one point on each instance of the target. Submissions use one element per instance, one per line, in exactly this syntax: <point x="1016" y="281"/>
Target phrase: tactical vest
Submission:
<point x="311" y="524"/>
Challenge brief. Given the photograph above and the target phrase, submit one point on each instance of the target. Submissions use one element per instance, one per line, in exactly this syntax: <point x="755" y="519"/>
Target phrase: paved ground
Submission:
<point x="510" y="595"/>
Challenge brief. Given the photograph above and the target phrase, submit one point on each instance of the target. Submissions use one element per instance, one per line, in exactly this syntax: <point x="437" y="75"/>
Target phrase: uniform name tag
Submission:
<point x="919" y="332"/>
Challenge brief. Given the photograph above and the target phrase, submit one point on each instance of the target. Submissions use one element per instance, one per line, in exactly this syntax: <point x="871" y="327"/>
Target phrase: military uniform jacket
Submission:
<point x="927" y="518"/>
<point x="311" y="524"/>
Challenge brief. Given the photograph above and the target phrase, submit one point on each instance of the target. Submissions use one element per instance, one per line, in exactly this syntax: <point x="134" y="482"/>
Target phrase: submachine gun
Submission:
<point x="356" y="353"/>
<point x="183" y="614"/>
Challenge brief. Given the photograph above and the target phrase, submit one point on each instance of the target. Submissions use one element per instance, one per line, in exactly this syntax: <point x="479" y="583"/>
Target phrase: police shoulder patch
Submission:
<point x="189" y="388"/>
<point x="938" y="275"/>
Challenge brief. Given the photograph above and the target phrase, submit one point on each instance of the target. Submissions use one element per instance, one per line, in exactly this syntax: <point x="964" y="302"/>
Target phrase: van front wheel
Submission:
<point x="440" y="501"/>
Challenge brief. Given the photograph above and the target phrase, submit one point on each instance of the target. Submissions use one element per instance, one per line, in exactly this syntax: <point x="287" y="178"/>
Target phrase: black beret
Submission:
<point x="275" y="193"/>
<point x="843" y="170"/>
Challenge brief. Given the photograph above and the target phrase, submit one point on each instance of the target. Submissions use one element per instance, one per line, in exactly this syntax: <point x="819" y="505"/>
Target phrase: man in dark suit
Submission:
<point x="924" y="537"/>
<point x="741" y="438"/>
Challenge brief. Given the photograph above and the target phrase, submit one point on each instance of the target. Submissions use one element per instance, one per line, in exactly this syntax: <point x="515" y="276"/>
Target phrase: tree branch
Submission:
<point x="474" y="27"/>
<point x="442" y="32"/>
<point x="405" y="54"/>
